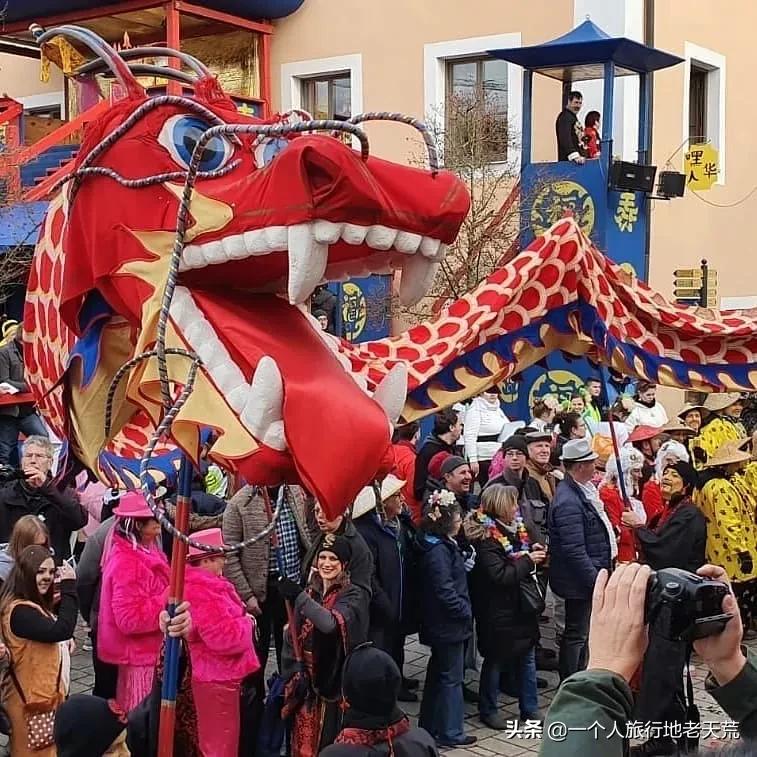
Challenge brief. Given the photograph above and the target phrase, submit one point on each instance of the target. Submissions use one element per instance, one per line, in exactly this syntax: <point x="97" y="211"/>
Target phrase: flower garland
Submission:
<point x="490" y="526"/>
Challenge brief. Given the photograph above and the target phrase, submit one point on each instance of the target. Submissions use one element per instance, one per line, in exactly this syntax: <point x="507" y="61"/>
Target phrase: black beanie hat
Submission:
<point x="86" y="726"/>
<point x="516" y="442"/>
<point x="339" y="546"/>
<point x="687" y="472"/>
<point x="371" y="682"/>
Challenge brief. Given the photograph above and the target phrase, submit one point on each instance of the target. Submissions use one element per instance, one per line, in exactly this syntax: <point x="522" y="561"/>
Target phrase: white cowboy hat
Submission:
<point x="717" y="402"/>
<point x="390" y="486"/>
<point x="578" y="451"/>
<point x="364" y="502"/>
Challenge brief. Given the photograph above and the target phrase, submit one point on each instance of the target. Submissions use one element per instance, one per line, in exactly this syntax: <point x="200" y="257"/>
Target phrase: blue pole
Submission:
<point x="644" y="117"/>
<point x="170" y="685"/>
<point x="528" y="81"/>
<point x="608" y="102"/>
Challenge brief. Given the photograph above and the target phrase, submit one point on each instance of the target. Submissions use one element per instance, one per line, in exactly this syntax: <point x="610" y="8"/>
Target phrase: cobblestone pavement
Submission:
<point x="489" y="742"/>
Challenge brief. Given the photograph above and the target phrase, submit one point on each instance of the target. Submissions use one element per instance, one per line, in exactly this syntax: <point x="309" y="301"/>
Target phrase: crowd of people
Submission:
<point x="484" y="531"/>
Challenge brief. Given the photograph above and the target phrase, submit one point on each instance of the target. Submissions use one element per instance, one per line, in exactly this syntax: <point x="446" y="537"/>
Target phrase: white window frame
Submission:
<point x="293" y="74"/>
<point x="715" y="64"/>
<point x="435" y="58"/>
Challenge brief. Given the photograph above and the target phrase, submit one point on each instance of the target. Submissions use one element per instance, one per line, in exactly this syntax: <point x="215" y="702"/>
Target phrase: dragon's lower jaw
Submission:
<point x="288" y="388"/>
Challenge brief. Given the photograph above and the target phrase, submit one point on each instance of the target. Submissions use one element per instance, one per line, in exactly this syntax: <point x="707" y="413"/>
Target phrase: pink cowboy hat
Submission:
<point x="133" y="505"/>
<point x="213" y="537"/>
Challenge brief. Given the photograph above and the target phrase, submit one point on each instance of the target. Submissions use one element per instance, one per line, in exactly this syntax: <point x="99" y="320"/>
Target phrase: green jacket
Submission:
<point x="598" y="705"/>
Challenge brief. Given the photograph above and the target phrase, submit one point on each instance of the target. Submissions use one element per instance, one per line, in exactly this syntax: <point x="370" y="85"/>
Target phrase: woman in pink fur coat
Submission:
<point x="220" y="645"/>
<point x="134" y="591"/>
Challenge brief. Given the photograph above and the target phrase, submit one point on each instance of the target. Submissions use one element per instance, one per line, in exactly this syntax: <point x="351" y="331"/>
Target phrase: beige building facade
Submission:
<point x="402" y="55"/>
<point x="339" y="58"/>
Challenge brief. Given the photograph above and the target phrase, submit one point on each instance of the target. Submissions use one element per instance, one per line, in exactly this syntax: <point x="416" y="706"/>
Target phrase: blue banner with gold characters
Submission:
<point x="617" y="224"/>
<point x="364" y="308"/>
<point x="615" y="221"/>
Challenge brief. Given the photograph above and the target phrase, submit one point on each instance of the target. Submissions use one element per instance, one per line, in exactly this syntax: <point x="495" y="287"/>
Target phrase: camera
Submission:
<point x="8" y="474"/>
<point x="683" y="606"/>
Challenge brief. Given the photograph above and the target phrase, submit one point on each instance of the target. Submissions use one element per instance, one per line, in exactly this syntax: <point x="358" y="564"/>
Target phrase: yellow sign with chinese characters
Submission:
<point x="627" y="213"/>
<point x="700" y="164"/>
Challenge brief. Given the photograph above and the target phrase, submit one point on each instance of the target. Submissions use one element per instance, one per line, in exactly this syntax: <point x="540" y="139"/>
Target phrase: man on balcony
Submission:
<point x="15" y="418"/>
<point x="570" y="144"/>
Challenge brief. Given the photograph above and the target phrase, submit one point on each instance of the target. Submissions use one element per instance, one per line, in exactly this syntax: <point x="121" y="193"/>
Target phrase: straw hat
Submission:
<point x="729" y="453"/>
<point x="364" y="502"/>
<point x="676" y="426"/>
<point x="717" y="402"/>
<point x="390" y="486"/>
<point x="689" y="407"/>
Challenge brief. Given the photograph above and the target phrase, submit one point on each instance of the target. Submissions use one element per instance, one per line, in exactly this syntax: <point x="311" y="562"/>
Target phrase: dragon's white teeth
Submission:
<point x="199" y="332"/>
<point x="276" y="236"/>
<point x="354" y="234"/>
<point x="215" y="252"/>
<point x="430" y="247"/>
<point x="307" y="262"/>
<point x="380" y="237"/>
<point x="407" y="242"/>
<point x="327" y="232"/>
<point x="274" y="437"/>
<point x="228" y="377"/>
<point x="193" y="257"/>
<point x="255" y="242"/>
<point x="234" y="247"/>
<point x="265" y="400"/>
<point x="237" y="398"/>
<point x="392" y="392"/>
<point x="417" y="276"/>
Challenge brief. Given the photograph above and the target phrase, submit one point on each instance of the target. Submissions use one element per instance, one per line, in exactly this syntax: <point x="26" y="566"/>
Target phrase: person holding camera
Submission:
<point x="35" y="493"/>
<point x="601" y="695"/>
<point x="674" y="539"/>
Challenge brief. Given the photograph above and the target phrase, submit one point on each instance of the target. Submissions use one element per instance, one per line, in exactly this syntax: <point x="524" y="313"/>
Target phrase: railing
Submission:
<point x="55" y="138"/>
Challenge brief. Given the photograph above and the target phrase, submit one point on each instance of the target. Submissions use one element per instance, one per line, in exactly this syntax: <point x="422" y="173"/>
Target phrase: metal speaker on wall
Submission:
<point x="671" y="184"/>
<point x="632" y="177"/>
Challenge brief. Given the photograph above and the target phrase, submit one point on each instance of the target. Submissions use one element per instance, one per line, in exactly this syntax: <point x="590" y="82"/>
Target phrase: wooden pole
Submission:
<point x="175" y="593"/>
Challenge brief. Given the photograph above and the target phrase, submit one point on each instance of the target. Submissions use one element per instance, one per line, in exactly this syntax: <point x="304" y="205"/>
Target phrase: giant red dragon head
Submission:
<point x="270" y="214"/>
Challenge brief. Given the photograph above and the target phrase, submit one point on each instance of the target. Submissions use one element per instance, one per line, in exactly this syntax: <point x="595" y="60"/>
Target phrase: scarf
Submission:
<point x="591" y="493"/>
<point x="372" y="737"/>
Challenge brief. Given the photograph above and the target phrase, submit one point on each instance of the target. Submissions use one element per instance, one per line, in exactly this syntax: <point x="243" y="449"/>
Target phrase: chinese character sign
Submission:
<point x="701" y="166"/>
<point x="627" y="212"/>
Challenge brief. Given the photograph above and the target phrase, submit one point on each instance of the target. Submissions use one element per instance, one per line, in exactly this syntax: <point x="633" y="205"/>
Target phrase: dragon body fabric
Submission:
<point x="269" y="218"/>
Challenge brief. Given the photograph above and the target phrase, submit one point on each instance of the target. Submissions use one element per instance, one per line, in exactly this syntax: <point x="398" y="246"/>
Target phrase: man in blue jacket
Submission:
<point x="580" y="539"/>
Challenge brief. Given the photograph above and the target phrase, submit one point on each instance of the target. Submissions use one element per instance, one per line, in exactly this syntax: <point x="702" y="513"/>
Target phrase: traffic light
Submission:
<point x="696" y="286"/>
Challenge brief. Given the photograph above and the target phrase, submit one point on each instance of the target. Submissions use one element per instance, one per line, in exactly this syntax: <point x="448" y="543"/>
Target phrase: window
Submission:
<point x="703" y="114"/>
<point x="476" y="110"/>
<point x="328" y="97"/>
<point x="698" y="104"/>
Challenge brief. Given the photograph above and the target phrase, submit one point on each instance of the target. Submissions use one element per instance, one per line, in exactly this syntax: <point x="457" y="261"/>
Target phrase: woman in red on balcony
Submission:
<point x="591" y="134"/>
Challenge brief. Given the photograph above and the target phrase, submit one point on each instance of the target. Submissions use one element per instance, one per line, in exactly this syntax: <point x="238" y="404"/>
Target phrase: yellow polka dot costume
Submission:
<point x="716" y="433"/>
<point x="729" y="507"/>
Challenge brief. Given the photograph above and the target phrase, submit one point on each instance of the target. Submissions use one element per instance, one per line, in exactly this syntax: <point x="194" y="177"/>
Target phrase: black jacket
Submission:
<point x="495" y="591"/>
<point x="12" y="372"/>
<point x="446" y="614"/>
<point x="567" y="130"/>
<point x="679" y="542"/>
<point x="388" y="584"/>
<point x="430" y="447"/>
<point x="60" y="511"/>
<point x="361" y="562"/>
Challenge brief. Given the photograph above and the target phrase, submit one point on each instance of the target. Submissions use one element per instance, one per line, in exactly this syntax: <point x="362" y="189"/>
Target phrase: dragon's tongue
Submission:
<point x="337" y="436"/>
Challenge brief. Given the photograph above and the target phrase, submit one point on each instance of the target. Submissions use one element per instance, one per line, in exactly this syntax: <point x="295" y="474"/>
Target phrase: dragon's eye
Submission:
<point x="180" y="135"/>
<point x="267" y="149"/>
